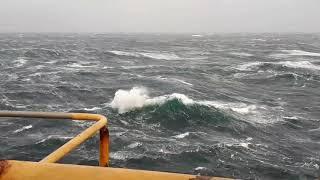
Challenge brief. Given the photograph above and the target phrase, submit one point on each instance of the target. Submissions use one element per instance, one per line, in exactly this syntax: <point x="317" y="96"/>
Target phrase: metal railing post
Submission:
<point x="104" y="147"/>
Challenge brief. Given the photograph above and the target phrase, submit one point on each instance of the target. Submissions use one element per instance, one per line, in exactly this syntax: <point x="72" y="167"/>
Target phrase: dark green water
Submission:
<point x="238" y="105"/>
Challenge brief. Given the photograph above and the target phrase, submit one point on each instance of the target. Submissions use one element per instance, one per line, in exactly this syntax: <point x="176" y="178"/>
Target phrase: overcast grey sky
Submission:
<point x="175" y="16"/>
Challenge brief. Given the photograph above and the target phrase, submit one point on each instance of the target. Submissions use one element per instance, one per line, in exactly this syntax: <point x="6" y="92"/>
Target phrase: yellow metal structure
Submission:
<point x="20" y="170"/>
<point x="48" y="169"/>
<point x="100" y="125"/>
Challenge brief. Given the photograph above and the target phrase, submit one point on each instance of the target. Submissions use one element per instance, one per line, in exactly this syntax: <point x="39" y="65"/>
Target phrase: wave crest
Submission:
<point x="138" y="97"/>
<point x="295" y="53"/>
<point x="289" y="64"/>
<point x="151" y="55"/>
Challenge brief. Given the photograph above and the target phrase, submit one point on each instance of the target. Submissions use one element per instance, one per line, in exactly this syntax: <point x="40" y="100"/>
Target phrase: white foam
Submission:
<point x="181" y="136"/>
<point x="258" y="39"/>
<point x="137" y="97"/>
<point x="92" y="109"/>
<point x="239" y="144"/>
<point x="166" y="56"/>
<point x="248" y="66"/>
<point x="197" y="35"/>
<point x="299" y="64"/>
<point x="134" y="145"/>
<point x="20" y="62"/>
<point x="54" y="137"/>
<point x="291" y="64"/>
<point x="183" y="82"/>
<point x="241" y="54"/>
<point x="200" y="168"/>
<point x="119" y="155"/>
<point x="245" y="145"/>
<point x="240" y="108"/>
<point x="80" y="65"/>
<point x="291" y="117"/>
<point x="123" y="53"/>
<point x="138" y="67"/>
<point x="249" y="138"/>
<point x="23" y="128"/>
<point x="174" y="79"/>
<point x="152" y="55"/>
<point x="107" y="67"/>
<point x="128" y="100"/>
<point x="300" y="53"/>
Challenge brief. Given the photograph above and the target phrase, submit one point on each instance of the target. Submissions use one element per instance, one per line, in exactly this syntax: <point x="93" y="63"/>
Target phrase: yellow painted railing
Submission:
<point x="100" y="125"/>
<point x="48" y="169"/>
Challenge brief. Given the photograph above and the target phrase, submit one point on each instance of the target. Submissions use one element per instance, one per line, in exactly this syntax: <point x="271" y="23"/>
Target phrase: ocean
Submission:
<point x="234" y="105"/>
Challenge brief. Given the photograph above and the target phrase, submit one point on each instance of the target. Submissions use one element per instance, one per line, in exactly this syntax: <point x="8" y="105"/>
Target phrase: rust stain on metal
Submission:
<point x="201" y="178"/>
<point x="4" y="165"/>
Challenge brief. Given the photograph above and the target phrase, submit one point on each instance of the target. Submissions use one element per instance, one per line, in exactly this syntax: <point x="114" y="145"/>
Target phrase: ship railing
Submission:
<point x="100" y="125"/>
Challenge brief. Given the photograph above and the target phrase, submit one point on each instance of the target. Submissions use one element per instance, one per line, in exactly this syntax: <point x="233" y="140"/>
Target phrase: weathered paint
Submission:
<point x="21" y="170"/>
<point x="104" y="147"/>
<point x="3" y="167"/>
<point x="76" y="141"/>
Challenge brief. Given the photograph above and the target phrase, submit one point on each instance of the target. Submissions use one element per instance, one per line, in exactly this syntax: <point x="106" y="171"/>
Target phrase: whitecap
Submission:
<point x="165" y="56"/>
<point x="152" y="55"/>
<point x="200" y="168"/>
<point x="107" y="67"/>
<point x="299" y="64"/>
<point x="240" y="108"/>
<point x="248" y="66"/>
<point x="300" y="53"/>
<point x="174" y="79"/>
<point x="181" y="136"/>
<point x="138" y="67"/>
<point x="80" y="65"/>
<point x="123" y="53"/>
<point x="291" y="117"/>
<point x="287" y="53"/>
<point x="134" y="145"/>
<point x="197" y="35"/>
<point x="122" y="155"/>
<point x="290" y="64"/>
<point x="245" y="145"/>
<point x="240" y="144"/>
<point x="241" y="54"/>
<point x="183" y="82"/>
<point x="54" y="137"/>
<point x="259" y="39"/>
<point x="92" y="109"/>
<point x="20" y="62"/>
<point x="23" y="128"/>
<point x="137" y="97"/>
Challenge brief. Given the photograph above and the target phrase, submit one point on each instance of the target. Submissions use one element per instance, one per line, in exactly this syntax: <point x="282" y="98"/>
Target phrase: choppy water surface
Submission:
<point x="242" y="105"/>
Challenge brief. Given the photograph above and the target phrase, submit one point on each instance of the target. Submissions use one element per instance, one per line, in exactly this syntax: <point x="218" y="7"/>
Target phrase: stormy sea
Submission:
<point x="234" y="105"/>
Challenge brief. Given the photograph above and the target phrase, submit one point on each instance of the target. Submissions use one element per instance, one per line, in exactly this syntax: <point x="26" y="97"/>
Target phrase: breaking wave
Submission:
<point x="137" y="97"/>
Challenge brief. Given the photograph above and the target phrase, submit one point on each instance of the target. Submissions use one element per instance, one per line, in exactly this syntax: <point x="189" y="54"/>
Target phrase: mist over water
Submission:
<point x="237" y="105"/>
